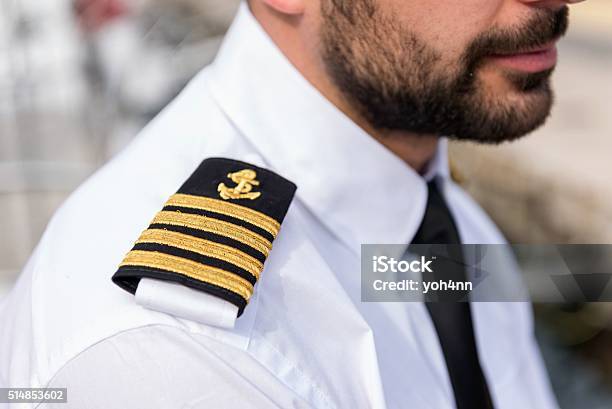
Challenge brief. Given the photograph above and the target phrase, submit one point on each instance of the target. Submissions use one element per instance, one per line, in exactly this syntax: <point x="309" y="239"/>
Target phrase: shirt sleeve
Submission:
<point x="164" y="367"/>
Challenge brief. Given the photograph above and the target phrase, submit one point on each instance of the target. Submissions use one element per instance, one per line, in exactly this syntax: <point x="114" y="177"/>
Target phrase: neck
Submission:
<point x="287" y="33"/>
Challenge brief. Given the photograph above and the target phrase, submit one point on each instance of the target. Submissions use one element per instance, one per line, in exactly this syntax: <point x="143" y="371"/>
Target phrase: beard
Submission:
<point x="398" y="82"/>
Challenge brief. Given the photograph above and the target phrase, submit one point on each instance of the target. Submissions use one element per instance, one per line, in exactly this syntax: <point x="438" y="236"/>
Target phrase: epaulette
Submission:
<point x="214" y="234"/>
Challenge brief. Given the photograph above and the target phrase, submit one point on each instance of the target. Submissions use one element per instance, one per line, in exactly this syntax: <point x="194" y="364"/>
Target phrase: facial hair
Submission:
<point x="398" y="82"/>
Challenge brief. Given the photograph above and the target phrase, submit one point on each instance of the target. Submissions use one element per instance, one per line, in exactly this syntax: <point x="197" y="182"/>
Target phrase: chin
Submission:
<point x="506" y="116"/>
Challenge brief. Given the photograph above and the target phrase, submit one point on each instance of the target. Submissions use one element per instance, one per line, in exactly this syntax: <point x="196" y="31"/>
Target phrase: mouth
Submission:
<point x="534" y="60"/>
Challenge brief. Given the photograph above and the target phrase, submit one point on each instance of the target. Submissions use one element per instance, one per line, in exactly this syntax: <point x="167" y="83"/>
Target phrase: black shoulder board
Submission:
<point x="215" y="233"/>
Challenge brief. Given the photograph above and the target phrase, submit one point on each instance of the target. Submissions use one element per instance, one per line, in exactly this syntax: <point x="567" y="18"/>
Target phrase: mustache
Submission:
<point x="542" y="28"/>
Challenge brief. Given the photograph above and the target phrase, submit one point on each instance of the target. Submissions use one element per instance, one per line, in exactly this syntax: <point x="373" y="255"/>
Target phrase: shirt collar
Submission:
<point x="360" y="190"/>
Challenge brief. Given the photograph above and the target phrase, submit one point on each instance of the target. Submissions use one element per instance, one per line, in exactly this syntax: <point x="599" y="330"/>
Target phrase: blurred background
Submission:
<point x="80" y="78"/>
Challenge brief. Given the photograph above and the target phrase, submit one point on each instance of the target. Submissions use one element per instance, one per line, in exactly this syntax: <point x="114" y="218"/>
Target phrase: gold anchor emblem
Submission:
<point x="245" y="180"/>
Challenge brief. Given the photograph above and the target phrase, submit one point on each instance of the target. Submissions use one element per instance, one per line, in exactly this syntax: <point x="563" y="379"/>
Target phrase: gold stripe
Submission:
<point x="211" y="225"/>
<point x="243" y="213"/>
<point x="203" y="247"/>
<point x="191" y="269"/>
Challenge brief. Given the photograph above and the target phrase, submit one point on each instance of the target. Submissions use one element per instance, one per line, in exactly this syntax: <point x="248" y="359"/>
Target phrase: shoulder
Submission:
<point x="65" y="300"/>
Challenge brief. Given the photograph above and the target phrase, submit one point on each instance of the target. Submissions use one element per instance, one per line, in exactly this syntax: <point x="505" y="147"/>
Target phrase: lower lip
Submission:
<point x="529" y="62"/>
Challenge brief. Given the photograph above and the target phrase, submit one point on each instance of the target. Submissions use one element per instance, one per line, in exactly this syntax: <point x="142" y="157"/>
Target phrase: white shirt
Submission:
<point x="305" y="339"/>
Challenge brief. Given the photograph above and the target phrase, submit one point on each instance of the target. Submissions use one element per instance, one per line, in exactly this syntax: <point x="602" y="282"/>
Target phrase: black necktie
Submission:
<point x="453" y="319"/>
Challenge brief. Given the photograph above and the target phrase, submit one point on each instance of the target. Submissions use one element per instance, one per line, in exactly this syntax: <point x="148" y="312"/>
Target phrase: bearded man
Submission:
<point x="353" y="101"/>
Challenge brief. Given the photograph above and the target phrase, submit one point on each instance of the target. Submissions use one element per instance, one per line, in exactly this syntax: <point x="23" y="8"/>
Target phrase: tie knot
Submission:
<point x="438" y="225"/>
